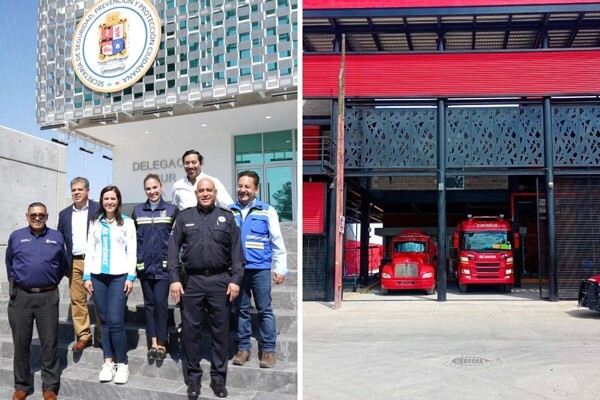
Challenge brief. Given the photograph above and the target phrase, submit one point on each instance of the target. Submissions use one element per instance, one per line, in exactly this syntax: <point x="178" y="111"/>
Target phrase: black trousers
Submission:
<point x="206" y="295"/>
<point x="23" y="309"/>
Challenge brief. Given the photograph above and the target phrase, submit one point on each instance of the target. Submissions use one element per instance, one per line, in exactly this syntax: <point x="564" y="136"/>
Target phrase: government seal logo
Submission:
<point x="115" y="43"/>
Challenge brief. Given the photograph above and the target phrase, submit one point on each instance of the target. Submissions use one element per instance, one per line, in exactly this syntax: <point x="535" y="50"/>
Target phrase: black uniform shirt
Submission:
<point x="210" y="240"/>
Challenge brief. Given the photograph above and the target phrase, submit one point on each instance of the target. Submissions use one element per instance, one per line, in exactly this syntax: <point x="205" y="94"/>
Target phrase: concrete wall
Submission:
<point x="31" y="169"/>
<point x="130" y="166"/>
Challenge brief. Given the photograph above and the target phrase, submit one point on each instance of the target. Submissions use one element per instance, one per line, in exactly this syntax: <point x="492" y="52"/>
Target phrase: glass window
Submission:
<point x="278" y="147"/>
<point x="248" y="149"/>
<point x="279" y="193"/>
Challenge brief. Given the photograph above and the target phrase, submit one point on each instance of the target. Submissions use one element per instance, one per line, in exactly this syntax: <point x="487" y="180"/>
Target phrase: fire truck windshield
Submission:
<point x="486" y="241"/>
<point x="414" y="247"/>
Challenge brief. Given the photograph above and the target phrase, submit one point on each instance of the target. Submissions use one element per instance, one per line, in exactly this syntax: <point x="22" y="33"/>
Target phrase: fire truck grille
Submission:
<point x="407" y="270"/>
<point x="487" y="268"/>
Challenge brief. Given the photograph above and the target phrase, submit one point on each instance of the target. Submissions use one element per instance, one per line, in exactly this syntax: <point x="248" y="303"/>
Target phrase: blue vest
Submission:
<point x="255" y="235"/>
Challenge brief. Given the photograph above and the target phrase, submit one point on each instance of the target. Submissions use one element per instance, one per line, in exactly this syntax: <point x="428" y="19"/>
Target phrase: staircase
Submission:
<point x="165" y="380"/>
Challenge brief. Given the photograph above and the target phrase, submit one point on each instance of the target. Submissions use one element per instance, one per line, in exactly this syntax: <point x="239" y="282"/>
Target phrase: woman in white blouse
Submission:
<point x="108" y="275"/>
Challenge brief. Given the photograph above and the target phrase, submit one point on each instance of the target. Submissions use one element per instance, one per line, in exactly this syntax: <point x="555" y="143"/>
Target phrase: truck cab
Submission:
<point x="485" y="252"/>
<point x="412" y="264"/>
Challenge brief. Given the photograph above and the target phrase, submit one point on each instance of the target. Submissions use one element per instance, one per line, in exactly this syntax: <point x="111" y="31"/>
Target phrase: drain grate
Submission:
<point x="470" y="360"/>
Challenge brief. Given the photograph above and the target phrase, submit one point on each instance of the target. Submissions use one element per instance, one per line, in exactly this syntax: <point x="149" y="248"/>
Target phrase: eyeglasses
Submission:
<point x="36" y="216"/>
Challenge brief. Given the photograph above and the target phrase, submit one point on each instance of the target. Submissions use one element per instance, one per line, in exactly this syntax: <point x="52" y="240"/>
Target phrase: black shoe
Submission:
<point x="218" y="387"/>
<point x="193" y="388"/>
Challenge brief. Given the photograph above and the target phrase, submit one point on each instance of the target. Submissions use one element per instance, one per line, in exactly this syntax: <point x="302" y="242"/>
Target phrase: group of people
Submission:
<point x="209" y="252"/>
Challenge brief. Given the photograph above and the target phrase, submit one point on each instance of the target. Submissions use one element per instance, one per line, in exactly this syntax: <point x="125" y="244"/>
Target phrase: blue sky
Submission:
<point x="18" y="54"/>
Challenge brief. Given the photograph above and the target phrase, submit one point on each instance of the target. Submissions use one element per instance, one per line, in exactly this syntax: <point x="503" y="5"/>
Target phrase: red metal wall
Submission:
<point x="311" y="142"/>
<point x="366" y="4"/>
<point x="524" y="73"/>
<point x="313" y="207"/>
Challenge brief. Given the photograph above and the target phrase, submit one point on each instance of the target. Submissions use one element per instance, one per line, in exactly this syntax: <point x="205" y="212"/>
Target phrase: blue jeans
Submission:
<point x="257" y="283"/>
<point x="156" y="305"/>
<point x="110" y="300"/>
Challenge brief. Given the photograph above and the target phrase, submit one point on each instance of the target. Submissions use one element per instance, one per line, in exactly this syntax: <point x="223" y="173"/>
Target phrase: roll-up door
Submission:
<point x="313" y="207"/>
<point x="577" y="210"/>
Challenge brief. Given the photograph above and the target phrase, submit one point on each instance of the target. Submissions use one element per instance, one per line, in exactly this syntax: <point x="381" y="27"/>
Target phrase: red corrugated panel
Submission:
<point x="310" y="142"/>
<point x="313" y="207"/>
<point x="527" y="73"/>
<point x="366" y="4"/>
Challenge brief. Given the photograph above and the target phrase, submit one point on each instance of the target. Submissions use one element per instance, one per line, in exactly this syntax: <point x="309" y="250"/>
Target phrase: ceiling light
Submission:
<point x="146" y="132"/>
<point x="203" y="125"/>
<point x="268" y="117"/>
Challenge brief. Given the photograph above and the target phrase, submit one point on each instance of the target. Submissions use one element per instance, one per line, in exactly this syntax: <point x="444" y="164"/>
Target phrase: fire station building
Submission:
<point x="455" y="108"/>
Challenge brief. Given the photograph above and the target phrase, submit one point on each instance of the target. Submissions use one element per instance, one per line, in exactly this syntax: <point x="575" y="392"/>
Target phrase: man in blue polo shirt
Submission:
<point x="35" y="264"/>
<point x="263" y="248"/>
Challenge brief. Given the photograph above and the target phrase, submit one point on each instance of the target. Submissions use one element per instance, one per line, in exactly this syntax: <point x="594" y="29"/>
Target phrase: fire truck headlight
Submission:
<point x="509" y="271"/>
<point x="386" y="276"/>
<point x="464" y="260"/>
<point x="466" y="271"/>
<point x="427" y="275"/>
<point x="509" y="260"/>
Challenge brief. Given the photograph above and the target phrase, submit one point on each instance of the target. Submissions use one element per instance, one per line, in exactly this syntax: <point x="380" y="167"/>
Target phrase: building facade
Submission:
<point x="456" y="108"/>
<point x="223" y="81"/>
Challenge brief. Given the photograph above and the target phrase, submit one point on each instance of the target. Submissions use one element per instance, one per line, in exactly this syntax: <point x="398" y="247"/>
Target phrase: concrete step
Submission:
<point x="286" y="320"/>
<point x="6" y="392"/>
<point x="82" y="383"/>
<point x="284" y="296"/>
<point x="249" y="376"/>
<point x="286" y="347"/>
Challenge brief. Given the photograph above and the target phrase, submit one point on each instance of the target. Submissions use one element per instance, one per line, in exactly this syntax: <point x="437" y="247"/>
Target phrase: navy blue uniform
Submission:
<point x="153" y="229"/>
<point x="213" y="255"/>
<point x="34" y="266"/>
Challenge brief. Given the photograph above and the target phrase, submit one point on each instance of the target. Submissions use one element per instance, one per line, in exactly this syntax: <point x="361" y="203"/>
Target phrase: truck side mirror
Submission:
<point x="385" y="260"/>
<point x="455" y="240"/>
<point x="516" y="241"/>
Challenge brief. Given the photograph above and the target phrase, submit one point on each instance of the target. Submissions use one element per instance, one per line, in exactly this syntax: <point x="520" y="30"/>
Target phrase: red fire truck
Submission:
<point x="414" y="255"/>
<point x="484" y="252"/>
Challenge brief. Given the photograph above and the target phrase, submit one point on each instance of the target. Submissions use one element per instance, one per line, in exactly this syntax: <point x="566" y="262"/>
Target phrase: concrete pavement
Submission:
<point x="479" y="345"/>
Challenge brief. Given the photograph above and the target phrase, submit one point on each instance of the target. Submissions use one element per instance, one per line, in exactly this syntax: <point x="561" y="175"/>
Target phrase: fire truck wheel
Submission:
<point x="384" y="291"/>
<point x="507" y="288"/>
<point x="462" y="287"/>
<point x="431" y="291"/>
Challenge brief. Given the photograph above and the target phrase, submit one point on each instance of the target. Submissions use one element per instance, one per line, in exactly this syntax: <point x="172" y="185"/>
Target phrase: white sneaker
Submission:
<point x="122" y="375"/>
<point x="107" y="372"/>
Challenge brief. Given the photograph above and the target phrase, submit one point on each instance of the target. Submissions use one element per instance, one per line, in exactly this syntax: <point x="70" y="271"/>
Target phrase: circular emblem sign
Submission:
<point x="115" y="43"/>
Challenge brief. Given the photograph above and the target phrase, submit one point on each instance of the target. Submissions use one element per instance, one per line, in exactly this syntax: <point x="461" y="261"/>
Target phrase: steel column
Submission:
<point x="441" y="166"/>
<point x="333" y="225"/>
<point x="365" y="219"/>
<point x="549" y="168"/>
<point x="441" y="169"/>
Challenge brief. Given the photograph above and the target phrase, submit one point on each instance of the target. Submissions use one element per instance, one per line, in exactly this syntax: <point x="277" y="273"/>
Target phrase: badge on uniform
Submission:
<point x="222" y="219"/>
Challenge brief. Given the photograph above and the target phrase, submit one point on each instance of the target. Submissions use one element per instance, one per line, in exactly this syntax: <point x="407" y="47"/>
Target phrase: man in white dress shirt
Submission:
<point x="184" y="189"/>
